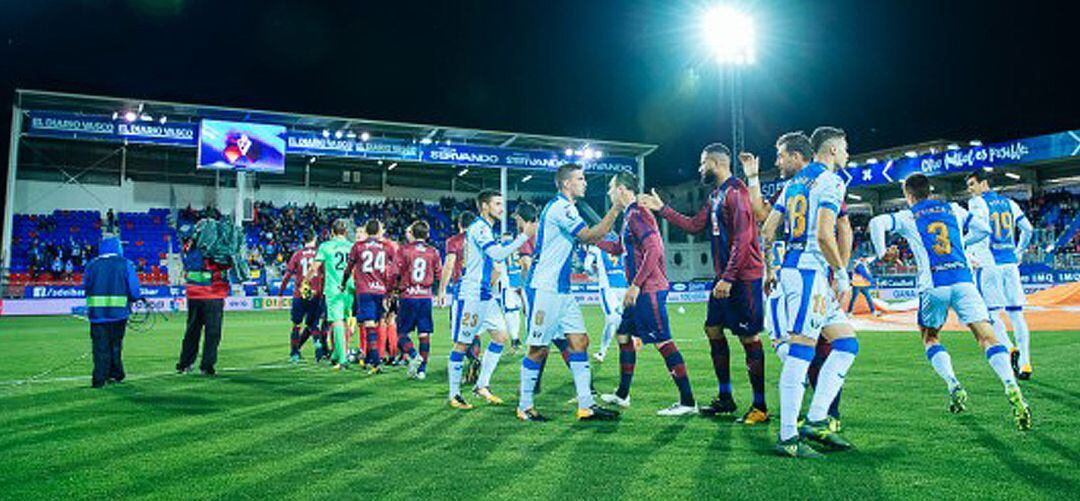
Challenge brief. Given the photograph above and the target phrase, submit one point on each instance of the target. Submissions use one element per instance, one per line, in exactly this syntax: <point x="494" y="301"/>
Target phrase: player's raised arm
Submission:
<point x="975" y="229"/>
<point x="498" y="252"/>
<point x="1027" y="231"/>
<point x="695" y="224"/>
<point x="591" y="235"/>
<point x="751" y="167"/>
<point x="880" y="226"/>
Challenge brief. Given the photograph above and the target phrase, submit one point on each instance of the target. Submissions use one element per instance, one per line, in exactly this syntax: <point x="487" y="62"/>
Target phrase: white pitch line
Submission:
<point x="137" y="377"/>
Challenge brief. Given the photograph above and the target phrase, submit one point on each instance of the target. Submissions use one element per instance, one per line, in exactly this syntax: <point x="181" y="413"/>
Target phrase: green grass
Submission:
<point x="263" y="429"/>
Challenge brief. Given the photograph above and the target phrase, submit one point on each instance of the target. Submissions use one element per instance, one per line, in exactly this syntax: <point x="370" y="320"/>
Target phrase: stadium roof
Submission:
<point x="102" y="105"/>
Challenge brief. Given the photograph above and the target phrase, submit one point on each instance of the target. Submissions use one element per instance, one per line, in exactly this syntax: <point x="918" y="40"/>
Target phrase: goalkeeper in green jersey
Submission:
<point x="333" y="255"/>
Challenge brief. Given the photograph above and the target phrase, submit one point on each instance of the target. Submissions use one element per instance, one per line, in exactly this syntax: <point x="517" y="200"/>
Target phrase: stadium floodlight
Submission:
<point x="115" y="114"/>
<point x="364" y="136"/>
<point x="975" y="142"/>
<point x="463" y="172"/>
<point x="953" y="147"/>
<point x="391" y="166"/>
<point x="163" y="119"/>
<point x="598" y="154"/>
<point x="131" y="116"/>
<point x="325" y="133"/>
<point x="338" y="134"/>
<point x="854" y="197"/>
<point x="569" y="152"/>
<point x="426" y="140"/>
<point x="311" y="160"/>
<point x="351" y="135"/>
<point x="871" y="160"/>
<point x="853" y="164"/>
<point x="988" y="169"/>
<point x="1012" y="175"/>
<point x="730" y="35"/>
<point x="910" y="154"/>
<point x="526" y="178"/>
<point x="587" y="153"/>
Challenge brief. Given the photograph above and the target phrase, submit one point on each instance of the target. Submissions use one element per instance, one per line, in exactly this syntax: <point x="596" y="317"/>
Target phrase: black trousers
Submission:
<point x="107" y="341"/>
<point x="202" y="315"/>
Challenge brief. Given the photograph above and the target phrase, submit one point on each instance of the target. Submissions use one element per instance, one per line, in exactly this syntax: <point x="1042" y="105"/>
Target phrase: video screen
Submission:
<point x="250" y="147"/>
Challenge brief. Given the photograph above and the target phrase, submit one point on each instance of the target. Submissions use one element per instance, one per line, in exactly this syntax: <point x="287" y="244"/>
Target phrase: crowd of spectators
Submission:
<point x="46" y="252"/>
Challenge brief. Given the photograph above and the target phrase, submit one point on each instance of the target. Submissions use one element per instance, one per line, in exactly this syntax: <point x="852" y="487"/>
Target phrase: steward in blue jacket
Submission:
<point x="111" y="286"/>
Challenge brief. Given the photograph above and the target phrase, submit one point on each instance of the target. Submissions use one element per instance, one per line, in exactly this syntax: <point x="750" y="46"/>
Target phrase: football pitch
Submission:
<point x="264" y="428"/>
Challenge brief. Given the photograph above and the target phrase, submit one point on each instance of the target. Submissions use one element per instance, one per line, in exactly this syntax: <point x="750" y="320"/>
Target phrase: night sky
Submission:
<point x="890" y="73"/>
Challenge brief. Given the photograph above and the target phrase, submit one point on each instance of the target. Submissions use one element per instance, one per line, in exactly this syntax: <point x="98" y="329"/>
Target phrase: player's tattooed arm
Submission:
<point x="768" y="236"/>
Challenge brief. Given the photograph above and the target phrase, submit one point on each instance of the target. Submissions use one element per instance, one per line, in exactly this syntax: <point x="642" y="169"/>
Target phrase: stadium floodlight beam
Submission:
<point x="730" y="35"/>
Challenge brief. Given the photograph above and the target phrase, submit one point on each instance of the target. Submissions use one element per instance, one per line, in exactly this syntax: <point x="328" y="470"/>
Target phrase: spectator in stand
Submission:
<point x="110" y="222"/>
<point x="57" y="268"/>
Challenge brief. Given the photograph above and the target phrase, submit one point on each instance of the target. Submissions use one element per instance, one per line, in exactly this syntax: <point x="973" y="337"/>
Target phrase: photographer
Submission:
<point x="206" y="288"/>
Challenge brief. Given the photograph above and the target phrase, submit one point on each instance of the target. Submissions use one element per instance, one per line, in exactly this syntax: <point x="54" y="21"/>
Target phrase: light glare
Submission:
<point x="730" y="35"/>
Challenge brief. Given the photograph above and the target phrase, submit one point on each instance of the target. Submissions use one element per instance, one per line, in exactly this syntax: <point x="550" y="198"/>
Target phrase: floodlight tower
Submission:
<point x="731" y="37"/>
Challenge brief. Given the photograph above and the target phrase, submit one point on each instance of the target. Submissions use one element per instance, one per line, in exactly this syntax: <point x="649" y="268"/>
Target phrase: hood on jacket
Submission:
<point x="111" y="245"/>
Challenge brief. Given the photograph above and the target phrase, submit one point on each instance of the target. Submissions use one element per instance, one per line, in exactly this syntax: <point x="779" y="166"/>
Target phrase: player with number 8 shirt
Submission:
<point x="419" y="264"/>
